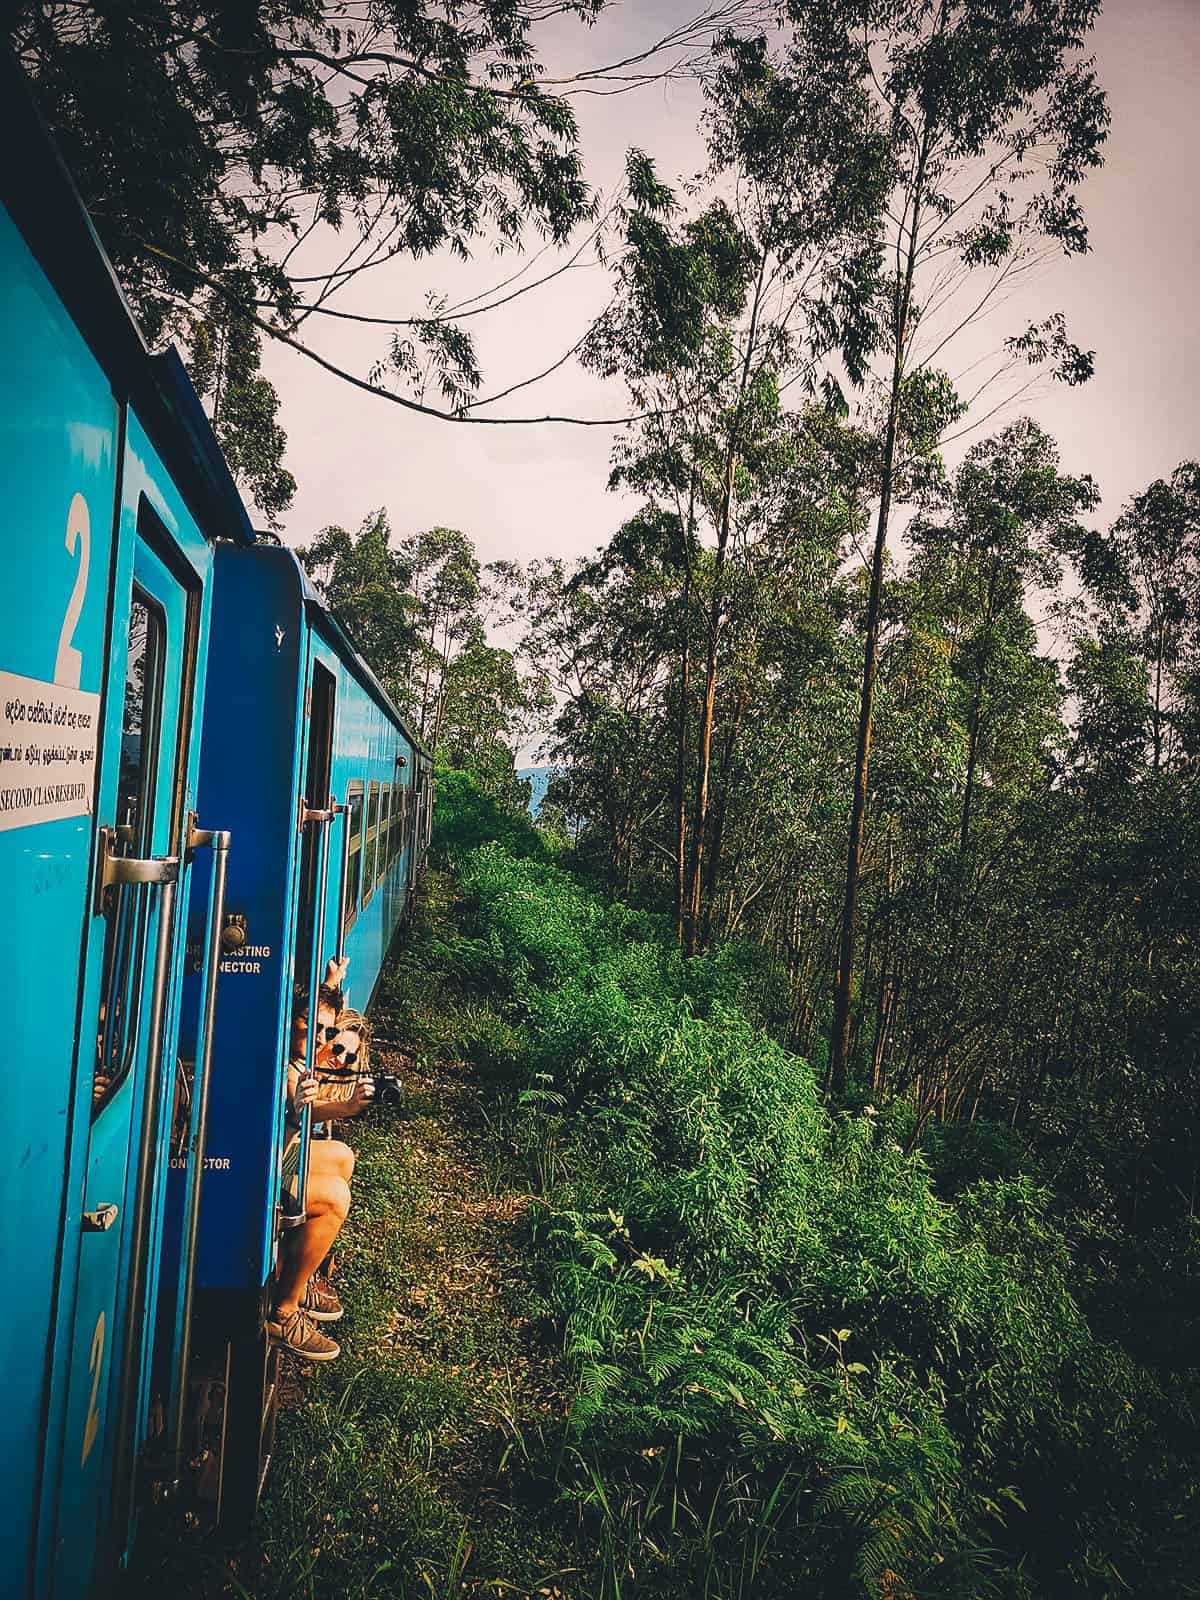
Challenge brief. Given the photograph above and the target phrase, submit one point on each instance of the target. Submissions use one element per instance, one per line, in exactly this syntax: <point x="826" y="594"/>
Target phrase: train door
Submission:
<point x="132" y="942"/>
<point x="251" y="1389"/>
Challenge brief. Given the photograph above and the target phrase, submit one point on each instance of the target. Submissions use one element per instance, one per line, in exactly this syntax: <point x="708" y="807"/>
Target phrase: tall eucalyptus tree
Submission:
<point x="994" y="116"/>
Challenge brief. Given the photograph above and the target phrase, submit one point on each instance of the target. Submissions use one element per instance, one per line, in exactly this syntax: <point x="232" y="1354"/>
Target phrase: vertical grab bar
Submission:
<point x="343" y="811"/>
<point x="164" y="870"/>
<point x="322" y="820"/>
<point x="340" y="810"/>
<point x="218" y="842"/>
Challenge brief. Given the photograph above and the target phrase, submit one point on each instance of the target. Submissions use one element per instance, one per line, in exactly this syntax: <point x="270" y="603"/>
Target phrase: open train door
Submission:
<point x="130" y="960"/>
<point x="252" y="1365"/>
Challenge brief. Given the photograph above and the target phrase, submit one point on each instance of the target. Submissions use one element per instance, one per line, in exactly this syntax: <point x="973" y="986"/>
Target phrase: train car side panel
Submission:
<point x="133" y="968"/>
<point x="58" y="459"/>
<point x="250" y="766"/>
<point x="373" y="760"/>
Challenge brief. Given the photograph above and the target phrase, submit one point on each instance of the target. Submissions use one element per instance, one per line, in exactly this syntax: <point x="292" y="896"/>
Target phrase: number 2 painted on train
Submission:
<point x="68" y="664"/>
<point x="91" y="1426"/>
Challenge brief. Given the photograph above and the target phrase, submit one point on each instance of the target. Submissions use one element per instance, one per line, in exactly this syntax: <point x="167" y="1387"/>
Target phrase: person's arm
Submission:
<point x="305" y="1090"/>
<point x="335" y="980"/>
<point x="334" y="1110"/>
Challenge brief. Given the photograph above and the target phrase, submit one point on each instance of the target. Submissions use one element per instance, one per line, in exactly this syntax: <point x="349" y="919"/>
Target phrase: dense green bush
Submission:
<point x="806" y="1357"/>
<point x="465" y="816"/>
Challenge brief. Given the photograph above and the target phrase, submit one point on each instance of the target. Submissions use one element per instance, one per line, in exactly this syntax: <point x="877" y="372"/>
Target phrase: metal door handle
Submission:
<point x="102" y="1219"/>
<point x="113" y="870"/>
<point x="347" y="814"/>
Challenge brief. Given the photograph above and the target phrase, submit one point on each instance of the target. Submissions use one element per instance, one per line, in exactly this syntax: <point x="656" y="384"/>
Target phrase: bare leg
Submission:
<point x="331" y="1158"/>
<point x="328" y="1205"/>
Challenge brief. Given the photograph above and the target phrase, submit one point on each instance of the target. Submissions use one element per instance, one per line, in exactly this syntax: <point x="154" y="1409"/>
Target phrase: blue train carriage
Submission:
<point x="330" y="799"/>
<point x="113" y="492"/>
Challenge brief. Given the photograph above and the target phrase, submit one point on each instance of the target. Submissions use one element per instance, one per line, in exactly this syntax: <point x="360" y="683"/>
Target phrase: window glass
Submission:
<point x="368" y="876"/>
<point x="125" y="913"/>
<point x="354" y="863"/>
<point x="382" y="858"/>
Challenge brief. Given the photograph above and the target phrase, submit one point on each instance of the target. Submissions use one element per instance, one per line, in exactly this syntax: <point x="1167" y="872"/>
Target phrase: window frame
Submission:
<point x="382" y="859"/>
<point x="370" y="841"/>
<point x="122" y="965"/>
<point x="356" y="800"/>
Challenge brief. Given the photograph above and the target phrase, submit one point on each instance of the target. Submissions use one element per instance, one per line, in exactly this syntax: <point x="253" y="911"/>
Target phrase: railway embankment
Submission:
<point x="632" y="1312"/>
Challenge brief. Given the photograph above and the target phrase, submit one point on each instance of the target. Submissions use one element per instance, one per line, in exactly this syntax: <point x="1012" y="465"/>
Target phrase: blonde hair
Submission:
<point x="354" y="1021"/>
<point x="337" y="1077"/>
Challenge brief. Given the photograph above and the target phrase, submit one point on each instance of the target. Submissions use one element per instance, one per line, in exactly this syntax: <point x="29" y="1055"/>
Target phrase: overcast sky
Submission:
<point x="534" y="491"/>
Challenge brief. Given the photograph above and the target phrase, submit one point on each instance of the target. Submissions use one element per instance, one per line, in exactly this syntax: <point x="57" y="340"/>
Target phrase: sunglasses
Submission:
<point x="339" y="1052"/>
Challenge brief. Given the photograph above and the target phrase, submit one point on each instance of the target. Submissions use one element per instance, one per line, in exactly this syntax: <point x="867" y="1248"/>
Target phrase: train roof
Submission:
<point x="344" y="641"/>
<point x="45" y="205"/>
<point x="338" y="632"/>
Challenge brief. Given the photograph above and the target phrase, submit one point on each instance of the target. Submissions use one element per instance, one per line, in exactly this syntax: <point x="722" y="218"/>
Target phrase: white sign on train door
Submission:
<point x="49" y="731"/>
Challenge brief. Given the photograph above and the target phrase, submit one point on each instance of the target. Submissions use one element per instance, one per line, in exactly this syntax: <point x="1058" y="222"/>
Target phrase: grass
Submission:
<point x="408" y="1467"/>
<point x="632" y="1316"/>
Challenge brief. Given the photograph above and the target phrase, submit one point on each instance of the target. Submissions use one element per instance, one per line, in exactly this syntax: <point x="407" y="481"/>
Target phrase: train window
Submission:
<point x="354" y="799"/>
<point x="368" y="876"/>
<point x="125" y="914"/>
<point x="385" y="798"/>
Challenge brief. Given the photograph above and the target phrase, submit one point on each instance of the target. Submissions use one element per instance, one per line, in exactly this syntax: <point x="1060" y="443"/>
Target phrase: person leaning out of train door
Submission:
<point x="344" y="1085"/>
<point x="304" y="1297"/>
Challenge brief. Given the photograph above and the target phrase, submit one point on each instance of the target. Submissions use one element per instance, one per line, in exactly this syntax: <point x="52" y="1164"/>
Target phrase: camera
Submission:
<point x="389" y="1091"/>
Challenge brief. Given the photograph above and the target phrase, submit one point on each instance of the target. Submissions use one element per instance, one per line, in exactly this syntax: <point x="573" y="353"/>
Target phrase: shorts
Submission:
<point x="290" y="1166"/>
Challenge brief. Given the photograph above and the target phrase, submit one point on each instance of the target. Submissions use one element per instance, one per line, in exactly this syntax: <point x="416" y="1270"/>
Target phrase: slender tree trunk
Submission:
<point x="685" y="673"/>
<point x="704" y="748"/>
<point x="964" y="833"/>
<point x="428" y="677"/>
<point x="724" y="526"/>
<point x="885" y="964"/>
<point x="840" y="1041"/>
<point x="713" y="862"/>
<point x="1158" y="665"/>
<point x="440" y="702"/>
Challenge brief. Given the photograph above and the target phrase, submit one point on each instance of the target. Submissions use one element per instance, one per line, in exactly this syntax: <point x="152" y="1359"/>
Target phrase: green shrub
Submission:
<point x="960" y="1153"/>
<point x="795" y="1343"/>
<point x="465" y="817"/>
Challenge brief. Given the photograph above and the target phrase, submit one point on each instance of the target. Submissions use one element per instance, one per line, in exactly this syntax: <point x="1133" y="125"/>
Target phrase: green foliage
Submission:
<point x="465" y="816"/>
<point x="362" y="579"/>
<point x="224" y="360"/>
<point x="960" y="1153"/>
<point x="419" y="613"/>
<point x="217" y="146"/>
<point x="787" y="1350"/>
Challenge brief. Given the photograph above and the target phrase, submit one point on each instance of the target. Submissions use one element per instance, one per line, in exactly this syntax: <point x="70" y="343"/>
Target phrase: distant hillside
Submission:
<point x="539" y="778"/>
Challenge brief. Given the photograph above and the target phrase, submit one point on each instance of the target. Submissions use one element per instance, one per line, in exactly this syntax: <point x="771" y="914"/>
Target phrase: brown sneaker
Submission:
<point x="298" y="1333"/>
<point x="321" y="1299"/>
